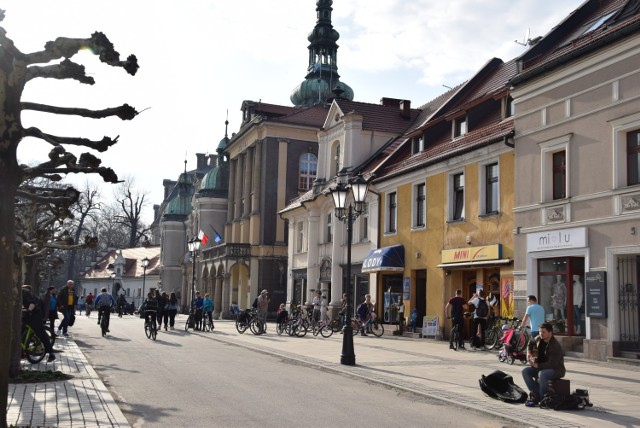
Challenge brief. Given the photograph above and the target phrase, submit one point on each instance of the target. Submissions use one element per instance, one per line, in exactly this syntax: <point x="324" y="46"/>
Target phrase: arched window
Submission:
<point x="308" y="171"/>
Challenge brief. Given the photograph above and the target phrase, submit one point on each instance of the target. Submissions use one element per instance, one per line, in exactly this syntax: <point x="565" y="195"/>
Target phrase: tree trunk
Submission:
<point x="9" y="286"/>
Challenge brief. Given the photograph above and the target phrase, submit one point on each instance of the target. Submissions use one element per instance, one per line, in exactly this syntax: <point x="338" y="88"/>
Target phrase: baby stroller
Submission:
<point x="514" y="344"/>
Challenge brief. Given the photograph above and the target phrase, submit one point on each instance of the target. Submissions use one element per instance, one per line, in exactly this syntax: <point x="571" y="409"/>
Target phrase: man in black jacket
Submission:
<point x="67" y="299"/>
<point x="546" y="359"/>
<point x="32" y="316"/>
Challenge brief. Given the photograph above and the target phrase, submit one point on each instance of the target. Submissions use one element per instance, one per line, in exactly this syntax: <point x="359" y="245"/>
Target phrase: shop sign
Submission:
<point x="596" y="294"/>
<point x="557" y="239"/>
<point x="472" y="254"/>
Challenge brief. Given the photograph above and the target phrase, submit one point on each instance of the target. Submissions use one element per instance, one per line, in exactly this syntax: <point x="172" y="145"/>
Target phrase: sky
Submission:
<point x="200" y="59"/>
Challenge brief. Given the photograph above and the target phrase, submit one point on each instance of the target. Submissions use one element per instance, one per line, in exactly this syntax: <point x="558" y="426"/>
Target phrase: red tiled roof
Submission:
<point x="438" y="152"/>
<point x="132" y="266"/>
<point x="378" y="117"/>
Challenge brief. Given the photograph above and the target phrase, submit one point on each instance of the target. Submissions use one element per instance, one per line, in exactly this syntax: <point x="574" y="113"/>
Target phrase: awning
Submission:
<point x="478" y="263"/>
<point x="385" y="259"/>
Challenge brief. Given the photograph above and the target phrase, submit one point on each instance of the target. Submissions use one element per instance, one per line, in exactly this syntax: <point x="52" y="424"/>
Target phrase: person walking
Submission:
<point x="50" y="309"/>
<point x="67" y="299"/>
<point x="534" y="314"/>
<point x="172" y="309"/>
<point x="364" y="312"/>
<point x="458" y="306"/>
<point x="317" y="310"/>
<point x="32" y="316"/>
<point x="480" y="316"/>
<point x="546" y="362"/>
<point x="162" y="303"/>
<point x="88" y="303"/>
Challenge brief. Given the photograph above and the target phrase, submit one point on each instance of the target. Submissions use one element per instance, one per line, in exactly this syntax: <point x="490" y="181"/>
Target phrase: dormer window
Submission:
<point x="509" y="107"/>
<point x="417" y="144"/>
<point x="460" y="127"/>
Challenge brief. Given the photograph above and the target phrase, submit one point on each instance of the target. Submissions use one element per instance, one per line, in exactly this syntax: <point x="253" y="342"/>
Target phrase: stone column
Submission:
<point x="232" y="187"/>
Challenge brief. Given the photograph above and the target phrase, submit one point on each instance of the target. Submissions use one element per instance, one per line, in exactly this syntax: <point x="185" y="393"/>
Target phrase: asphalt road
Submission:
<point x="193" y="380"/>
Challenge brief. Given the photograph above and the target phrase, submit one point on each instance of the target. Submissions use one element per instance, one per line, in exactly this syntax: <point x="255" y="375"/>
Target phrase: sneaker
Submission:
<point x="531" y="403"/>
<point x="65" y="334"/>
<point x="51" y="358"/>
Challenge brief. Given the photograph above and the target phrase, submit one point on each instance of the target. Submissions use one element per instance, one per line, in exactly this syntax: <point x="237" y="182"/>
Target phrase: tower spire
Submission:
<point x="322" y="69"/>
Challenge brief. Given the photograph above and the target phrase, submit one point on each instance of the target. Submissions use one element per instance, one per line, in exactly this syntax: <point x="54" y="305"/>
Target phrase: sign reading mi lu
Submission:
<point x="557" y="239"/>
<point x="471" y="254"/>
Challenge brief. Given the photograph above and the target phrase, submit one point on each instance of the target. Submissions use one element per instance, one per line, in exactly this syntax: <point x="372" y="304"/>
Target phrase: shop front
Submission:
<point x="556" y="271"/>
<point x="388" y="263"/>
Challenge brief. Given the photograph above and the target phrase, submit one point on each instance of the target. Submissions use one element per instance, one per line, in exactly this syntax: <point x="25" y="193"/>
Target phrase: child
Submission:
<point x="281" y="314"/>
<point x="413" y="319"/>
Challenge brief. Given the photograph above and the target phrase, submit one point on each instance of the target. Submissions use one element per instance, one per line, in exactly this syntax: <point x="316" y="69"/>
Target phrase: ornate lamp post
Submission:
<point x="359" y="188"/>
<point x="194" y="246"/>
<point x="145" y="263"/>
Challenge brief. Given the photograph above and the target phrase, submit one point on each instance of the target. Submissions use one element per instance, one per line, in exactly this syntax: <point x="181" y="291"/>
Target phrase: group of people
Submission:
<point x="544" y="352"/>
<point x="160" y="308"/>
<point x="203" y="310"/>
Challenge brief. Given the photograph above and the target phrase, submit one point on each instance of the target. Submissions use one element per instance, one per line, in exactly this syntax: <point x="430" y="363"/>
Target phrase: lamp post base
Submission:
<point x="348" y="356"/>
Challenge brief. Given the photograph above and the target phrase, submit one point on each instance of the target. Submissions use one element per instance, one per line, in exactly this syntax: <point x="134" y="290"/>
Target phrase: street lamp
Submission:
<point x="359" y="188"/>
<point x="194" y="246"/>
<point x="145" y="263"/>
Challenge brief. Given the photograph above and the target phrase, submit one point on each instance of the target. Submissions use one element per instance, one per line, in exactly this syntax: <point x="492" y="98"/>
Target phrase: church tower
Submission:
<point x="322" y="81"/>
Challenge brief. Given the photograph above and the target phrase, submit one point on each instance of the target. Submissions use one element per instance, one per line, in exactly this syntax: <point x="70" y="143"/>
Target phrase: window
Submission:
<point x="419" y="205"/>
<point x="559" y="175"/>
<point x="392" y="201"/>
<point x="554" y="169"/>
<point x="329" y="227"/>
<point x="417" y="145"/>
<point x="364" y="224"/>
<point x="492" y="188"/>
<point x="460" y="127"/>
<point x="337" y="158"/>
<point x="300" y="237"/>
<point x="633" y="157"/>
<point x="308" y="171"/>
<point x="509" y="107"/>
<point x="457" y="197"/>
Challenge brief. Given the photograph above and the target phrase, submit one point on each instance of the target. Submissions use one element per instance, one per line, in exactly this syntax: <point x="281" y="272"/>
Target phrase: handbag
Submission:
<point x="72" y="319"/>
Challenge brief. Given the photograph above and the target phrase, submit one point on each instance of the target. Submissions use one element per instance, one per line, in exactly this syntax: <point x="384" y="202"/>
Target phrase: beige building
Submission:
<point x="577" y="195"/>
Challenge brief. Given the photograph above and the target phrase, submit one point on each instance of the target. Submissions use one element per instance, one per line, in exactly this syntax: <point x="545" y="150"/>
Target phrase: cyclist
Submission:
<point x="122" y="303"/>
<point x="150" y="307"/>
<point x="198" y="304"/>
<point x="104" y="303"/>
<point x="458" y="306"/>
<point x="207" y="307"/>
<point x="32" y="312"/>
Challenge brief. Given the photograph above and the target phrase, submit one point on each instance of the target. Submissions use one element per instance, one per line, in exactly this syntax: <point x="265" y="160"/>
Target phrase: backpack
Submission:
<point x="255" y="303"/>
<point x="151" y="304"/>
<point x="482" y="310"/>
<point x="500" y="386"/>
<point x="576" y="401"/>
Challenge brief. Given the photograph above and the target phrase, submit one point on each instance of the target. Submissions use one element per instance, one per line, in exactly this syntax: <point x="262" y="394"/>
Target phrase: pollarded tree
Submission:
<point x="16" y="70"/>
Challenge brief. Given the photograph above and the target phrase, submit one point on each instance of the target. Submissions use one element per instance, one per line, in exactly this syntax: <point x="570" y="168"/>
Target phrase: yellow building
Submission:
<point x="446" y="197"/>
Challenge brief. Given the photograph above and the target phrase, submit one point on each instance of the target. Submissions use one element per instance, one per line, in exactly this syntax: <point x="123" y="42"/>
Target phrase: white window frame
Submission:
<point x="417" y="144"/>
<point x="414" y="206"/>
<point x="451" y="194"/>
<point x="329" y="230"/>
<point x="620" y="128"/>
<point x="460" y="126"/>
<point x="482" y="182"/>
<point x="300" y="235"/>
<point x="387" y="225"/>
<point x="547" y="150"/>
<point x="363" y="225"/>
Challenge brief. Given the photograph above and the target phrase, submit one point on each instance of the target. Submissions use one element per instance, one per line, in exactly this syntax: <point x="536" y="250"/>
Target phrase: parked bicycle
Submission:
<point x="322" y="327"/>
<point x="192" y="321"/>
<point x="250" y="319"/>
<point x="493" y="332"/>
<point x="32" y="346"/>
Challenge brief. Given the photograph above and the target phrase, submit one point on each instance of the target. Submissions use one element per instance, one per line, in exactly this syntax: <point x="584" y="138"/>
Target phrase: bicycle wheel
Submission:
<point x="103" y="325"/>
<point x="257" y="326"/>
<point x="241" y="326"/>
<point x="154" y="332"/>
<point x="34" y="349"/>
<point x="205" y="325"/>
<point x="335" y="325"/>
<point x="355" y="327"/>
<point x="455" y="338"/>
<point x="300" y="329"/>
<point x="189" y="322"/>
<point x="147" y="330"/>
<point x="326" y="331"/>
<point x="377" y="329"/>
<point x="280" y="327"/>
<point x="491" y="337"/>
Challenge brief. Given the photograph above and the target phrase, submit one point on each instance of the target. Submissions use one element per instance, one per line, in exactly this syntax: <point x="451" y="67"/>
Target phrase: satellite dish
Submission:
<point x="525" y="39"/>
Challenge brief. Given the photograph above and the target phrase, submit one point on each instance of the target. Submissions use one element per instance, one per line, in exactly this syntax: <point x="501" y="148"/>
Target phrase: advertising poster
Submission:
<point x="506" y="292"/>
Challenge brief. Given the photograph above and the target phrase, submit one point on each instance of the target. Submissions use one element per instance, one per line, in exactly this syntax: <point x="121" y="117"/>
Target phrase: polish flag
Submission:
<point x="203" y="237"/>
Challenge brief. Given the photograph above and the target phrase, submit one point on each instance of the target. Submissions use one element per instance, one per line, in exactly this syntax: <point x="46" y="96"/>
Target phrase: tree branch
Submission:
<point x="67" y="69"/>
<point x="99" y="44"/>
<point x="55" y="140"/>
<point x="124" y="112"/>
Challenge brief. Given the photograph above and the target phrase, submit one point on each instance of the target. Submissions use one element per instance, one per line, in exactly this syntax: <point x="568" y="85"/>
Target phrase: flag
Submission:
<point x="217" y="238"/>
<point x="203" y="237"/>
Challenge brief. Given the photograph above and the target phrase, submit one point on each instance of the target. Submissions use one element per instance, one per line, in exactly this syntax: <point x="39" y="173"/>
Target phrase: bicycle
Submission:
<point x="192" y="320"/>
<point x="455" y="337"/>
<point x="103" y="314"/>
<point x="372" y="325"/>
<point x="32" y="346"/>
<point x="150" y="326"/>
<point x="493" y="332"/>
<point x="249" y="319"/>
<point x="207" y="322"/>
<point x="323" y="328"/>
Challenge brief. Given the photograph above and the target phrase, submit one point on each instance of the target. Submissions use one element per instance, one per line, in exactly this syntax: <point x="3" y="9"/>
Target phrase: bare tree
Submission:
<point x="87" y="208"/>
<point x="131" y="203"/>
<point x="16" y="70"/>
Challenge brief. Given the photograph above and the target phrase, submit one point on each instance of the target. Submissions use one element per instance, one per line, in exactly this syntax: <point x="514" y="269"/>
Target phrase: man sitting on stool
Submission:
<point x="546" y="359"/>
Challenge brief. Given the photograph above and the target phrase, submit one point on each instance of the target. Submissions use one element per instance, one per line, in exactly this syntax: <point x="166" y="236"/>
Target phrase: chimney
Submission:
<point x="202" y="161"/>
<point x="168" y="185"/>
<point x="405" y="108"/>
<point x="156" y="211"/>
<point x="213" y="161"/>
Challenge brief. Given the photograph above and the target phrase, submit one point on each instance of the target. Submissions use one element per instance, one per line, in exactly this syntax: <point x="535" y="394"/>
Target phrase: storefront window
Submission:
<point x="561" y="293"/>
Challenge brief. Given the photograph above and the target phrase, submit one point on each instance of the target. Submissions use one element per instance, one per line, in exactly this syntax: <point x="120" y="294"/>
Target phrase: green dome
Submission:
<point x="216" y="182"/>
<point x="314" y="91"/>
<point x="180" y="205"/>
